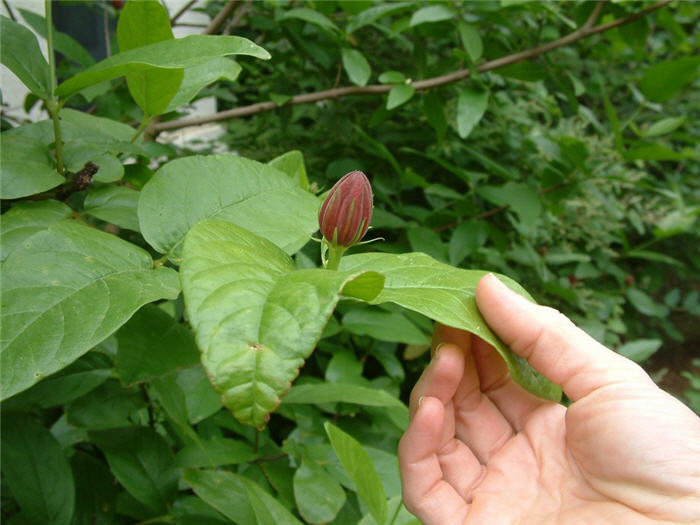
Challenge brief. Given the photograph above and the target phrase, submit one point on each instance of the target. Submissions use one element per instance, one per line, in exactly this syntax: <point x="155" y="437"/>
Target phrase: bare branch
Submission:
<point x="9" y="11"/>
<point x="236" y="19"/>
<point x="182" y="11"/>
<point x="220" y="17"/>
<point x="584" y="31"/>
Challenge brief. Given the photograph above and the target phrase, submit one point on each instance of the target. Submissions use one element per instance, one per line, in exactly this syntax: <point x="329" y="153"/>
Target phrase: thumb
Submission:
<point x="551" y="343"/>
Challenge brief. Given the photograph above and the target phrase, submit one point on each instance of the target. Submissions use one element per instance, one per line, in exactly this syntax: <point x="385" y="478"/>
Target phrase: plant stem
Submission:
<point x="144" y="123"/>
<point x="396" y="513"/>
<point x="335" y="253"/>
<point x="52" y="103"/>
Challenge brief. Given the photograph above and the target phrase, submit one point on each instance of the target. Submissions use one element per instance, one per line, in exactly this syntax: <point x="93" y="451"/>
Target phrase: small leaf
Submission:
<point x="292" y="163"/>
<point x="36" y="471"/>
<point x="215" y="452"/>
<point x="27" y="167"/>
<point x="374" y="13"/>
<point x="664" y="126"/>
<point x="640" y="350"/>
<point x="432" y="13"/>
<point x="392" y="77"/>
<point x="361" y="470"/>
<point x="399" y="94"/>
<point x="319" y="497"/>
<point x="319" y="393"/>
<point x="446" y="294"/>
<point x="471" y="106"/>
<point x="114" y="204"/>
<point x="90" y="283"/>
<point x="142" y="462"/>
<point x="22" y="55"/>
<point x="168" y="54"/>
<point x="466" y="239"/>
<point x="311" y="16"/>
<point x="25" y="219"/>
<point x="664" y="80"/>
<point x="267" y="509"/>
<point x="471" y="40"/>
<point x="253" y="353"/>
<point x="152" y="344"/>
<point x="645" y="304"/>
<point x="225" y="491"/>
<point x="244" y="192"/>
<point x="356" y="66"/>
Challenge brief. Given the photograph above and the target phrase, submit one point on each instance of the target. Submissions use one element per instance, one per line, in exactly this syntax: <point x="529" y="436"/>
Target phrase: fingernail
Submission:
<point x="420" y="400"/>
<point x="437" y="349"/>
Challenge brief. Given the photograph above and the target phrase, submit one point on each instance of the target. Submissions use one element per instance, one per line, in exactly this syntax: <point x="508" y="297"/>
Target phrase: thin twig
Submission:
<point x="182" y="11"/>
<point x="220" y="17"/>
<point x="260" y="107"/>
<point x="9" y="11"/>
<point x="236" y="19"/>
<point x="105" y="32"/>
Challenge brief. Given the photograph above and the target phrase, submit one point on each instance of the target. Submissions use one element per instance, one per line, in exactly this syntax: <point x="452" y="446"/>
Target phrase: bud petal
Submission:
<point x="347" y="211"/>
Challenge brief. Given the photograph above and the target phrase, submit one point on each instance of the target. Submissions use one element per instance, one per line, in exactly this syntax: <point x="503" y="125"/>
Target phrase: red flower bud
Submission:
<point x="347" y="210"/>
<point x="117" y="4"/>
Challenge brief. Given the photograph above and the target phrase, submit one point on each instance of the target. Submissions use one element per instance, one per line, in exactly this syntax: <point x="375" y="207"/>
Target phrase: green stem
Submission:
<point x="396" y="513"/>
<point x="335" y="253"/>
<point x="144" y="123"/>
<point x="52" y="103"/>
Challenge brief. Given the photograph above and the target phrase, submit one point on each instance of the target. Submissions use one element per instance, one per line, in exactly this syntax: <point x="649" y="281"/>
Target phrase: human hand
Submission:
<point x="481" y="450"/>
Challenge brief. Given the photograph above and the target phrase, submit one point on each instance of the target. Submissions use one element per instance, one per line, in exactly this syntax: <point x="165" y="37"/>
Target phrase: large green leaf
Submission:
<point x="36" y="470"/>
<point x="140" y="24"/>
<point x="319" y="497"/>
<point x="25" y="219"/>
<point x="200" y="75"/>
<point x="319" y="393"/>
<point x="225" y="491"/>
<point x="22" y="56"/>
<point x="664" y="80"/>
<point x="255" y="317"/>
<point x="66" y="289"/>
<point x="114" y="204"/>
<point x="27" y="167"/>
<point x="231" y="188"/>
<point x="142" y="462"/>
<point x="168" y="54"/>
<point x="361" y="470"/>
<point x="292" y="163"/>
<point x="447" y="295"/>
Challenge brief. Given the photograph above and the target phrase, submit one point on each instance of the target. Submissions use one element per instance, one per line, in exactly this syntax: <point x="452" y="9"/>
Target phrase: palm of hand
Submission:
<point x="505" y="456"/>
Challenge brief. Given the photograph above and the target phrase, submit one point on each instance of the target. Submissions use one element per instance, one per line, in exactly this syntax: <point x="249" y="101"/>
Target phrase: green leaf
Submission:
<point x="427" y="241"/>
<point x="399" y="94"/>
<point x="664" y="80"/>
<point x="231" y="188"/>
<point x="432" y="13"/>
<point x="63" y="43"/>
<point x="142" y="462"/>
<point x="640" y="350"/>
<point x="471" y="106"/>
<point x="22" y="56"/>
<point x="320" y="393"/>
<point x="374" y="13"/>
<point x="356" y="66"/>
<point x="252" y="353"/>
<point x="27" y="167"/>
<point x="201" y="75"/>
<point x="215" y="452"/>
<point x="676" y="222"/>
<point x="435" y="113"/>
<point x="526" y="71"/>
<point x="77" y="154"/>
<point x="664" y="126"/>
<point x="361" y="470"/>
<point x="311" y="16"/>
<point x="644" y="304"/>
<point x="201" y="400"/>
<point x="225" y="491"/>
<point x="65" y="290"/>
<point x="140" y="24"/>
<point x="36" y="471"/>
<point x="385" y="326"/>
<point x="114" y="204"/>
<point x="466" y="239"/>
<point x="108" y="406"/>
<point x="655" y="151"/>
<point x="168" y="54"/>
<point x="446" y="294"/>
<point x="471" y="40"/>
<point x="319" y="497"/>
<point x="392" y="77"/>
<point x="25" y="219"/>
<point x="152" y="344"/>
<point x="292" y="163"/>
<point x="396" y="508"/>
<point x="522" y="198"/>
<point x="267" y="509"/>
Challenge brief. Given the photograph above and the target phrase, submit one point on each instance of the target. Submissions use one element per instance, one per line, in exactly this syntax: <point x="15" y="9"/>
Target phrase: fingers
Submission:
<point x="425" y="492"/>
<point x="552" y="344"/>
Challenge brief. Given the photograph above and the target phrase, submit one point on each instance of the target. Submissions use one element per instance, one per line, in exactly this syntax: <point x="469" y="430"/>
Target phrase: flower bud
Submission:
<point x="347" y="210"/>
